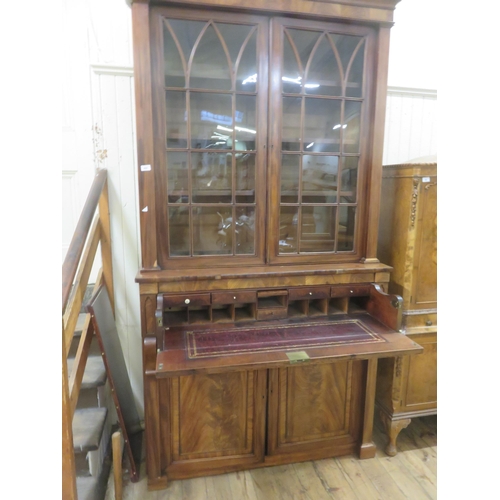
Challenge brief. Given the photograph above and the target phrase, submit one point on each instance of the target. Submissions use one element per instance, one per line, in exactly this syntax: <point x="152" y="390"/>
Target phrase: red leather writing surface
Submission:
<point x="300" y="336"/>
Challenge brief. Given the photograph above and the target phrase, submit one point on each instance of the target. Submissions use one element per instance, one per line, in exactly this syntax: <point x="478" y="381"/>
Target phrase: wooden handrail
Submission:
<point x="72" y="260"/>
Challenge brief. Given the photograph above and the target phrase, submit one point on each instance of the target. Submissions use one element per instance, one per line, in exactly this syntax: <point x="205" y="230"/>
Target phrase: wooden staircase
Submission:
<point x="85" y="395"/>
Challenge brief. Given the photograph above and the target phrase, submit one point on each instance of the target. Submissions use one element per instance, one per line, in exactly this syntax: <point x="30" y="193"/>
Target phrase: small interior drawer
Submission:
<point x="316" y="292"/>
<point x="350" y="290"/>
<point x="234" y="297"/>
<point x="190" y="299"/>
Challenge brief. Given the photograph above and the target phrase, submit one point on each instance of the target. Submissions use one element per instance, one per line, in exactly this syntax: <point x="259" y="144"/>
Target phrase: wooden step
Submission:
<point x="95" y="373"/>
<point x="88" y="425"/>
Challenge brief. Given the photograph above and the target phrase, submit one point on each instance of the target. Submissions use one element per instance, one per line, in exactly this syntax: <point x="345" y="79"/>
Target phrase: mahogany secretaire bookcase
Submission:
<point x="260" y="133"/>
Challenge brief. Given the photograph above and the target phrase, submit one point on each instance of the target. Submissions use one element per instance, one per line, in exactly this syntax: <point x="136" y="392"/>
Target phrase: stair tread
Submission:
<point x="94" y="374"/>
<point x="86" y="487"/>
<point x="88" y="425"/>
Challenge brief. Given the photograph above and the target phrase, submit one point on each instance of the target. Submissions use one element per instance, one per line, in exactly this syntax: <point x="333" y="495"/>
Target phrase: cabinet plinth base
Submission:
<point x="367" y="450"/>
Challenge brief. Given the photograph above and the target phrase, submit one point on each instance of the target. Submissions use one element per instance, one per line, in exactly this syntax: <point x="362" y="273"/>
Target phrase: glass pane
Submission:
<point x="290" y="167"/>
<point x="324" y="75"/>
<point x="246" y="78"/>
<point x="211" y="114"/>
<point x="304" y="42"/>
<point x="245" y="126"/>
<point x="322" y="124"/>
<point x="210" y="67"/>
<point x="292" y="75"/>
<point x="289" y="217"/>
<point x="347" y="218"/>
<point x="245" y="230"/>
<point x="354" y="85"/>
<point x="290" y="137"/>
<point x="211" y="174"/>
<point x="187" y="32"/>
<point x="174" y="70"/>
<point x="349" y="179"/>
<point x="234" y="35"/>
<point x="178" y="230"/>
<point x="319" y="179"/>
<point x="318" y="229"/>
<point x="212" y="230"/>
<point x="351" y="126"/>
<point x="245" y="178"/>
<point x="345" y="45"/>
<point x="178" y="181"/>
<point x="176" y="117"/>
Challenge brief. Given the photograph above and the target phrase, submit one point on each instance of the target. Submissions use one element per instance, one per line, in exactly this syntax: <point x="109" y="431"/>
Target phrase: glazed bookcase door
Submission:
<point x="320" y="94"/>
<point x="209" y="101"/>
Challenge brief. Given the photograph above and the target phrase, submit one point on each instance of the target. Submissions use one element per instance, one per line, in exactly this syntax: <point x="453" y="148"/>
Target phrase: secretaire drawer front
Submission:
<point x="350" y="291"/>
<point x="309" y="293"/>
<point x="189" y="299"/>
<point x="424" y="319"/>
<point x="234" y="297"/>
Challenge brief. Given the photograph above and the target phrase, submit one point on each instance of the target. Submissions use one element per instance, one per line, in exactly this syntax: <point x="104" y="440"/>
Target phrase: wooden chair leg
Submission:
<point x="116" y="440"/>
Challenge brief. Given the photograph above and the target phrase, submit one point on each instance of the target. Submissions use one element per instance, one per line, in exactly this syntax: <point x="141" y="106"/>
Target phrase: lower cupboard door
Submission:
<point x="218" y="422"/>
<point x="315" y="411"/>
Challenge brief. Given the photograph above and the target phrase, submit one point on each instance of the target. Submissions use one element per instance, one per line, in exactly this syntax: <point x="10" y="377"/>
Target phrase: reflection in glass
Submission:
<point x="289" y="217"/>
<point x="349" y="179"/>
<point x="319" y="179"/>
<point x="317" y="229"/>
<point x="324" y="76"/>
<point x="212" y="231"/>
<point x="347" y="218"/>
<point x="210" y="67"/>
<point x="322" y="124"/>
<point x="211" y="174"/>
<point x="245" y="230"/>
<point x="210" y="113"/>
<point x="178" y="181"/>
<point x="290" y="167"/>
<point x="290" y="137"/>
<point x="174" y="70"/>
<point x="246" y="78"/>
<point x="352" y="126"/>
<point x="176" y="119"/>
<point x="178" y="230"/>
<point x="245" y="178"/>
<point x="245" y="124"/>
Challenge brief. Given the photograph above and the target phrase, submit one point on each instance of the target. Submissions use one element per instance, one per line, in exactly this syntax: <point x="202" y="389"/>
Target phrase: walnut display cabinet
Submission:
<point x="407" y="385"/>
<point x="264" y="306"/>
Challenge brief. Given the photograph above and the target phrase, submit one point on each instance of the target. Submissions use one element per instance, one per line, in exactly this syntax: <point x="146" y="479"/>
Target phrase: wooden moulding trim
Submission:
<point x="377" y="11"/>
<point x="150" y="277"/>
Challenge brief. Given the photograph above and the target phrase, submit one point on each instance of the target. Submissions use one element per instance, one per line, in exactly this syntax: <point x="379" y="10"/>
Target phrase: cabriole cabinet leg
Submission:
<point x="393" y="428"/>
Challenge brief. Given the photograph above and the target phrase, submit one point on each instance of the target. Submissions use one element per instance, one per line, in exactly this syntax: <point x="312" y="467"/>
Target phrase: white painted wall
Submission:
<point x="99" y="131"/>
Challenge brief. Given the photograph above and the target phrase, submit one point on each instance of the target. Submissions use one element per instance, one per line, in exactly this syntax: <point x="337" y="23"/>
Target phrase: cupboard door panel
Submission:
<point x="218" y="416"/>
<point x="315" y="407"/>
<point x="421" y="389"/>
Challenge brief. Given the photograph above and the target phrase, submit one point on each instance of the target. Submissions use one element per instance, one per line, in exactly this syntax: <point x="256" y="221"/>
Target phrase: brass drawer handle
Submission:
<point x="428" y="322"/>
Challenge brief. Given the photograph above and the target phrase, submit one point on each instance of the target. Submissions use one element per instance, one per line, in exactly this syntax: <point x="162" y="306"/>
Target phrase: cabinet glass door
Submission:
<point x="319" y="88"/>
<point x="212" y="131"/>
